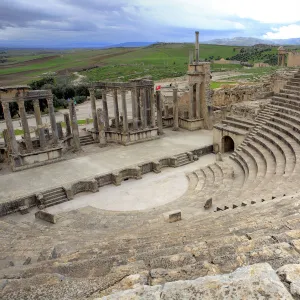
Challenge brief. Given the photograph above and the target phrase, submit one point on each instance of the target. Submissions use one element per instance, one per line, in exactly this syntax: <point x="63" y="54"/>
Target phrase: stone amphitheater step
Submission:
<point x="289" y="96"/>
<point x="237" y="124"/>
<point x="182" y="159"/>
<point x="231" y="129"/>
<point x="283" y="137"/>
<point x="289" y="91"/>
<point x="289" y="86"/>
<point x="54" y="197"/>
<point x="186" y="257"/>
<point x="244" y="121"/>
<point x="86" y="140"/>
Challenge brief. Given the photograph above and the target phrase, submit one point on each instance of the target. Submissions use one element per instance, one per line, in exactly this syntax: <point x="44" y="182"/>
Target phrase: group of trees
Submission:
<point x="256" y="53"/>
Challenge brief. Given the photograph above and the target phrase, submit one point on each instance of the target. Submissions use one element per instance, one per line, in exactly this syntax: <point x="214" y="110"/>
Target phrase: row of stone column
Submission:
<point x="143" y="109"/>
<point x="27" y="138"/>
<point x="197" y="104"/>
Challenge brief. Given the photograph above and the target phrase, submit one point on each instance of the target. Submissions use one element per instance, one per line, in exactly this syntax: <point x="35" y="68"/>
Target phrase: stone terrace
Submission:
<point x="90" y="253"/>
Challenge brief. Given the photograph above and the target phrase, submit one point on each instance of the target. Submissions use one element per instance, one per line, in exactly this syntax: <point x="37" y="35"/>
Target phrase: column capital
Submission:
<point x="50" y="99"/>
<point x="5" y="105"/>
<point x="91" y="91"/>
<point x="21" y="103"/>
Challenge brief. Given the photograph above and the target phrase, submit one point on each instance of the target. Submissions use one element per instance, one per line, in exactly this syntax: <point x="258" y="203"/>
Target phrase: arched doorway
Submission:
<point x="227" y="144"/>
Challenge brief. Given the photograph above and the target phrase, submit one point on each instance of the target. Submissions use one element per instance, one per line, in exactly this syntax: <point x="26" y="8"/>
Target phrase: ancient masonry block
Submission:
<point x="45" y="216"/>
<point x="208" y="203"/>
<point x="172" y="216"/>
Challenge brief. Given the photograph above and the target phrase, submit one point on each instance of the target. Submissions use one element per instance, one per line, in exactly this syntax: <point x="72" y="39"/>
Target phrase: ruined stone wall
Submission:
<point x="239" y="93"/>
<point x="293" y="59"/>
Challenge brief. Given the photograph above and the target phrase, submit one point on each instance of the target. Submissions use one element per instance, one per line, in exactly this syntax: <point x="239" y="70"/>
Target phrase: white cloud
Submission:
<point x="284" y="32"/>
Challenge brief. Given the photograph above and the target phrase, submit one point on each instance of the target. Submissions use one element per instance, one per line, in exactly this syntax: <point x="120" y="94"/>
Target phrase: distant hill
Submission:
<point x="131" y="45"/>
<point x="249" y="41"/>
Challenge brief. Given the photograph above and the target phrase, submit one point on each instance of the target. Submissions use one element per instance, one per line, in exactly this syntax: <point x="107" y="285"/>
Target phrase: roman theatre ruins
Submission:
<point x="173" y="193"/>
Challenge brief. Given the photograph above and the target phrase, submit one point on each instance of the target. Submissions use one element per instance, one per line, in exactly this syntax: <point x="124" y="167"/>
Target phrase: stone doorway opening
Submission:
<point x="227" y="144"/>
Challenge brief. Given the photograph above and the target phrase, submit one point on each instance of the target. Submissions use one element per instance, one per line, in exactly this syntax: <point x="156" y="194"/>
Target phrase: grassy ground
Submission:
<point x="117" y="64"/>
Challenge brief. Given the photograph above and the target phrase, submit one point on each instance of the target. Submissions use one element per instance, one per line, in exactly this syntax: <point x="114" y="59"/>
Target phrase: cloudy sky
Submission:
<point x="72" y="23"/>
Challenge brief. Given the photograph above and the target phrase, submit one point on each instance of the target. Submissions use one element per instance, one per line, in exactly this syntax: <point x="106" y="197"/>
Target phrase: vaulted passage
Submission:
<point x="228" y="144"/>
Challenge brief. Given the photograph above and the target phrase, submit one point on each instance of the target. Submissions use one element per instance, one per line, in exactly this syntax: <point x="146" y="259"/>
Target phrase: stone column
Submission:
<point x="25" y="126"/>
<point x="52" y="119"/>
<point x="68" y="126"/>
<point x="152" y="108"/>
<point x="175" y="110"/>
<point x="101" y="126"/>
<point x="10" y="129"/>
<point x="59" y="130"/>
<point x="134" y="108"/>
<point x="37" y="113"/>
<point x="75" y="131"/>
<point x="191" y="100"/>
<point x="203" y="105"/>
<point x="198" y="101"/>
<point x="159" y="112"/>
<point x="93" y="106"/>
<point x="142" y="107"/>
<point x="116" y="107"/>
<point x="105" y="110"/>
<point x="124" y="110"/>
<point x="42" y="137"/>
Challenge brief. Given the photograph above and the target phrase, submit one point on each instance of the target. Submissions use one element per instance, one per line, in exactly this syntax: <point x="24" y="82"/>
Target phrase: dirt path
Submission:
<point x="80" y="78"/>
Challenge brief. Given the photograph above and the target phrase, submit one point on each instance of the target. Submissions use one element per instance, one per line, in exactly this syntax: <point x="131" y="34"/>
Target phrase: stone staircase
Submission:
<point x="54" y="197"/>
<point x="182" y="159"/>
<point x="86" y="140"/>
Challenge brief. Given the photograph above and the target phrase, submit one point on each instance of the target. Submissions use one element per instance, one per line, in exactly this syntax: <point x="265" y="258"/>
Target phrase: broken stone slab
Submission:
<point x="172" y="216"/>
<point x="24" y="209"/>
<point x="43" y="215"/>
<point x="290" y="276"/>
<point x="208" y="203"/>
<point x="258" y="281"/>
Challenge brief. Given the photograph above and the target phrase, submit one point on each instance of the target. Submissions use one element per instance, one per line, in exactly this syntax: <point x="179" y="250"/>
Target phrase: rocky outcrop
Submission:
<point x="258" y="281"/>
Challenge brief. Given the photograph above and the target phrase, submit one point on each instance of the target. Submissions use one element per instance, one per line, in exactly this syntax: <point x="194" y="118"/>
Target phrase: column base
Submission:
<point x="191" y="125"/>
<point x="132" y="137"/>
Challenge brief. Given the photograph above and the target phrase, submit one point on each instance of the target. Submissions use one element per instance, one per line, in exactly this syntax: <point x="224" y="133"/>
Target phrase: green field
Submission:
<point x="117" y="64"/>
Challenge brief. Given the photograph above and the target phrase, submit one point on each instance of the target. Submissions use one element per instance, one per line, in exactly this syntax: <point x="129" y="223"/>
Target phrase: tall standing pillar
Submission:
<point x="10" y="129"/>
<point x="52" y="119"/>
<point x="93" y="107"/>
<point x="197" y="106"/>
<point x="159" y="112"/>
<point x="74" y="124"/>
<point x="116" y="107"/>
<point x="105" y="110"/>
<point x="101" y="126"/>
<point x="124" y="110"/>
<point x="191" y="100"/>
<point x="25" y="126"/>
<point x="203" y="105"/>
<point x="142" y="107"/>
<point x="175" y="110"/>
<point x="134" y="108"/>
<point x="68" y="126"/>
<point x="152" y="108"/>
<point x="37" y="113"/>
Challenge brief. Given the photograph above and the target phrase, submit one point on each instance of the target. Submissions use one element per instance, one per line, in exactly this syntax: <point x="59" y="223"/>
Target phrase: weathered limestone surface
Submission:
<point x="253" y="282"/>
<point x="290" y="275"/>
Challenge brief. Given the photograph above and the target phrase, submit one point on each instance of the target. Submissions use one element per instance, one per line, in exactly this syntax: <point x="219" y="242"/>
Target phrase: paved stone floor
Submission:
<point x="100" y="161"/>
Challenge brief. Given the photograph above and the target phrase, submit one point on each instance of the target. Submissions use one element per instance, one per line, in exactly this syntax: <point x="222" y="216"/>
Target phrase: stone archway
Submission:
<point x="227" y="144"/>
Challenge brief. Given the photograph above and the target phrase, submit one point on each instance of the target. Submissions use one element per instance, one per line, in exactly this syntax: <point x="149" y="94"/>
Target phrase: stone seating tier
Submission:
<point x="254" y="218"/>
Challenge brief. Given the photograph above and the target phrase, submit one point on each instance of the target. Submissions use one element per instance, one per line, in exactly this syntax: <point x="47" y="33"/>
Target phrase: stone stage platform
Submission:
<point x="100" y="161"/>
